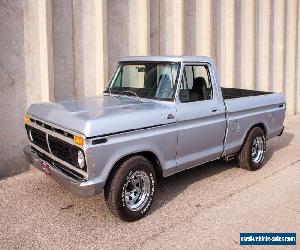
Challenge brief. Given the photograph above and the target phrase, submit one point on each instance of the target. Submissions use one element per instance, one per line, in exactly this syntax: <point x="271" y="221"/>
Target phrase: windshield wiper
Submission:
<point x="132" y="92"/>
<point x="108" y="90"/>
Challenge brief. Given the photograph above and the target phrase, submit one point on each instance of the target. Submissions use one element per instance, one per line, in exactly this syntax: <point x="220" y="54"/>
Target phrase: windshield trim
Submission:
<point x="116" y="72"/>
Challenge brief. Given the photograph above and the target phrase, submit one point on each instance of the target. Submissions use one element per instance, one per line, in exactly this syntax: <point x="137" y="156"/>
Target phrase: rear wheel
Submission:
<point x="253" y="152"/>
<point x="130" y="192"/>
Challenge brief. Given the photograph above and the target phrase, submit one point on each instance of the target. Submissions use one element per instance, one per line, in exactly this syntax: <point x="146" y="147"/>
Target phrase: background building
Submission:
<point x="51" y="50"/>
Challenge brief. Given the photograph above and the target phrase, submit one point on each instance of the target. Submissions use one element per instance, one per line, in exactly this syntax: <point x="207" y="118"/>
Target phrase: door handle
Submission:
<point x="170" y="116"/>
<point x="214" y="110"/>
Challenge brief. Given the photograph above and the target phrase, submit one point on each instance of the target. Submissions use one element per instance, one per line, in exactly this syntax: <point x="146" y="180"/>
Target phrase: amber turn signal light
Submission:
<point x="27" y="119"/>
<point x="78" y="140"/>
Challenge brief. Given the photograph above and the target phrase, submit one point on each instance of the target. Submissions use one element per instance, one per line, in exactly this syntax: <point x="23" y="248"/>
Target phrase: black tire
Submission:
<point x="117" y="187"/>
<point x="245" y="157"/>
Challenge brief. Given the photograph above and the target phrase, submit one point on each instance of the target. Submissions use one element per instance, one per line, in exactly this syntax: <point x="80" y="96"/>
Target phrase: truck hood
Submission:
<point x="102" y="115"/>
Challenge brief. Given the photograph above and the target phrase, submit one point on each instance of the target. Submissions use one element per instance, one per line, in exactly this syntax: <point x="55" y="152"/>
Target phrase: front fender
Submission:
<point x="161" y="142"/>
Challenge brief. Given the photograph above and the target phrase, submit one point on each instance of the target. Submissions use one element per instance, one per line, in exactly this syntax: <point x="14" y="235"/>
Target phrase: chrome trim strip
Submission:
<point x="57" y="135"/>
<point x="59" y="160"/>
<point x="72" y="132"/>
<point x="48" y="144"/>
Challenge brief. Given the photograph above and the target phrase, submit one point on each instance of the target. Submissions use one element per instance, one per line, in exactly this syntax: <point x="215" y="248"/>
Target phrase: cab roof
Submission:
<point x="167" y="59"/>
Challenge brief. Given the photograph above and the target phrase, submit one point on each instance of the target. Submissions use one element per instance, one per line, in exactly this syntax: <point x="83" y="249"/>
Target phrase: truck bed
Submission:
<point x="230" y="93"/>
<point x="264" y="108"/>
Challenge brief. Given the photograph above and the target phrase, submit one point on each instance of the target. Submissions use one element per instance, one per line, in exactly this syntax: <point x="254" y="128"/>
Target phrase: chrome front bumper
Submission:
<point x="83" y="188"/>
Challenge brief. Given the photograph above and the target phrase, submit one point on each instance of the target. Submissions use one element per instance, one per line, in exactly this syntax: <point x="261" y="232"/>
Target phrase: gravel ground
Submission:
<point x="204" y="208"/>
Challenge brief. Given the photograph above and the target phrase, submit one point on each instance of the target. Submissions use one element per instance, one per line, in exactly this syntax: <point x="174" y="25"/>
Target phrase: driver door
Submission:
<point x="201" y="118"/>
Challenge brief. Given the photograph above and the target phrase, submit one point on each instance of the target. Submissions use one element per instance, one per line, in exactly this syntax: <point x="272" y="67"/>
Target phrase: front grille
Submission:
<point x="56" y="164"/>
<point x="39" y="138"/>
<point x="63" y="150"/>
<point x="58" y="148"/>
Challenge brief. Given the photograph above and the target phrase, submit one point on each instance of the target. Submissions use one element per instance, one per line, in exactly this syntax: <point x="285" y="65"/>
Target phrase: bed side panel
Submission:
<point x="244" y="113"/>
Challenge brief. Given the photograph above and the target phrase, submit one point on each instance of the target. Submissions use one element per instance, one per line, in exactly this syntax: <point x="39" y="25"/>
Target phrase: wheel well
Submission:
<point x="260" y="125"/>
<point x="147" y="154"/>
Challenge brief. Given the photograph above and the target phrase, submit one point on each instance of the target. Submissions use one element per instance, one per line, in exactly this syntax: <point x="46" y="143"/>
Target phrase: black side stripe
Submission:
<point x="130" y="130"/>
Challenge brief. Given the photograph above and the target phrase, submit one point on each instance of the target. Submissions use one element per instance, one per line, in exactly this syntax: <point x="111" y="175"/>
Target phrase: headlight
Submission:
<point x="80" y="159"/>
<point x="30" y="135"/>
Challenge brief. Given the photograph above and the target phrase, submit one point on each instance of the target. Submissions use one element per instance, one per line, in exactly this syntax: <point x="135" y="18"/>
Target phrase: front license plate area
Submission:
<point x="46" y="168"/>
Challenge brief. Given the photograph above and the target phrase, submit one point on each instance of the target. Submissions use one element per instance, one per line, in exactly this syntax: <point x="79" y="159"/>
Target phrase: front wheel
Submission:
<point x="130" y="192"/>
<point x="253" y="152"/>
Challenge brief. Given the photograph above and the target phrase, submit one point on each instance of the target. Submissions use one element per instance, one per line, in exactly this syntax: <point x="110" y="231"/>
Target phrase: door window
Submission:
<point x="195" y="84"/>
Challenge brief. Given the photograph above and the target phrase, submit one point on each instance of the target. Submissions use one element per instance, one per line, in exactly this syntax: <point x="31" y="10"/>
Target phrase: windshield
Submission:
<point x="146" y="80"/>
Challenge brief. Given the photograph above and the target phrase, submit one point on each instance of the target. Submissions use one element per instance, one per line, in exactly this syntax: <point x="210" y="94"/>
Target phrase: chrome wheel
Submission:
<point x="137" y="190"/>
<point x="258" y="150"/>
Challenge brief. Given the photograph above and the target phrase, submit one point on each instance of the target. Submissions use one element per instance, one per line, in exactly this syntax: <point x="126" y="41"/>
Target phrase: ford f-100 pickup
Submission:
<point x="158" y="116"/>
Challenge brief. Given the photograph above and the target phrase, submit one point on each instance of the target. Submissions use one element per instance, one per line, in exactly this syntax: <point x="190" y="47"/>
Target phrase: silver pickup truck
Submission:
<point x="158" y="116"/>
